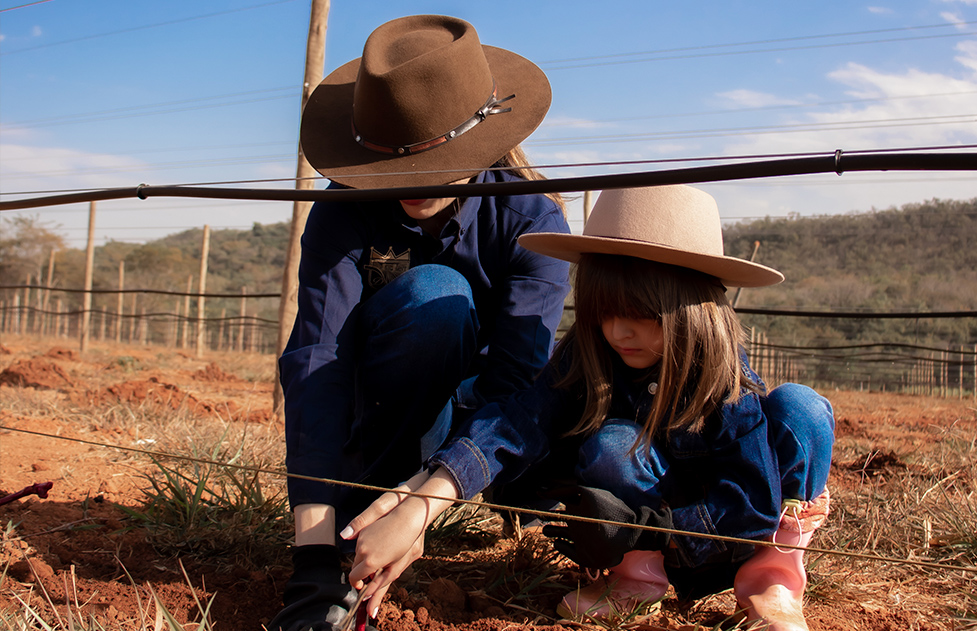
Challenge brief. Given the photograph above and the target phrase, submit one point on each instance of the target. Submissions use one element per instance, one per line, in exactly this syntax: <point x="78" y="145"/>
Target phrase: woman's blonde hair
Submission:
<point x="517" y="163"/>
<point x="700" y="369"/>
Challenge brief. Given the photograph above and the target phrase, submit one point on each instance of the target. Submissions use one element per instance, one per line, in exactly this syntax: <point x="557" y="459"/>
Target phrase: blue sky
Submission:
<point x="112" y="93"/>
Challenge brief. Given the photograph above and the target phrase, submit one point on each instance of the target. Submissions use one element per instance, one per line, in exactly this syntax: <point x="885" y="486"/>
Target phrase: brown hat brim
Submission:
<point x="731" y="271"/>
<point x="329" y="146"/>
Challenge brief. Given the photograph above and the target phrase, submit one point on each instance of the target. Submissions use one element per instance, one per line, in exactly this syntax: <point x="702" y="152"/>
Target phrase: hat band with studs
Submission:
<point x="483" y="112"/>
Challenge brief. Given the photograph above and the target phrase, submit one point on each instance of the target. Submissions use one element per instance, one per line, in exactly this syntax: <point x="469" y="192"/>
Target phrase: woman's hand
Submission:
<point x="386" y="548"/>
<point x="390" y="533"/>
<point x="383" y="505"/>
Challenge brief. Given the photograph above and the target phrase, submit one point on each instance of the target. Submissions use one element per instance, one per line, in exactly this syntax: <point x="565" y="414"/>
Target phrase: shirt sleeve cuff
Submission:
<point x="467" y="466"/>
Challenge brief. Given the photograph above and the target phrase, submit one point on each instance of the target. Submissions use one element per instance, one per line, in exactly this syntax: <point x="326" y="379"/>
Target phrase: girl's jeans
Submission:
<point x="800" y="428"/>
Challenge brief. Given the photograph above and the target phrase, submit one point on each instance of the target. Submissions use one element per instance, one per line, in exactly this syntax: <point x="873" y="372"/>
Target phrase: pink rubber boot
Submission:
<point x="770" y="585"/>
<point x="639" y="580"/>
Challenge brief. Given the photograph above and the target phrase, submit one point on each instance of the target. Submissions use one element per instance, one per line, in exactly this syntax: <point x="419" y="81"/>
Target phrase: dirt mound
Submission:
<point x="36" y="373"/>
<point x="161" y="395"/>
<point x="213" y="372"/>
<point x="62" y="353"/>
<point x="151" y="392"/>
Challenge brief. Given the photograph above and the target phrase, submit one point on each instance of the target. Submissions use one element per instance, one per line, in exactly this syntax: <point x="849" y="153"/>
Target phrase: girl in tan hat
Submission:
<point x="650" y="414"/>
<point x="412" y="314"/>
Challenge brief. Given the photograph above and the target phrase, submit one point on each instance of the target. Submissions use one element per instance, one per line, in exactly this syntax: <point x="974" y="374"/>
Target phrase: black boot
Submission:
<point x="317" y="597"/>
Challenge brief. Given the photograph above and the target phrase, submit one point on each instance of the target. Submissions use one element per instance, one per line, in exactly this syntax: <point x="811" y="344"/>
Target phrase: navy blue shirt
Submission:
<point x="350" y="250"/>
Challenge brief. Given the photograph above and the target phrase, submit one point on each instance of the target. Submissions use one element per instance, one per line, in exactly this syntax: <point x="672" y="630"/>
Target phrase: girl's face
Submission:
<point x="640" y="343"/>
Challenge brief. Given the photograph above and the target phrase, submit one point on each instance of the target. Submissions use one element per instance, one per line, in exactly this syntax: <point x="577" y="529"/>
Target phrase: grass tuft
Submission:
<point x="461" y="524"/>
<point x="215" y="513"/>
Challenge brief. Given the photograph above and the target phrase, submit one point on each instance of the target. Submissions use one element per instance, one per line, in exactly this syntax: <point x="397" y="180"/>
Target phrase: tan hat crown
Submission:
<point x="649" y="215"/>
<point x="677" y="225"/>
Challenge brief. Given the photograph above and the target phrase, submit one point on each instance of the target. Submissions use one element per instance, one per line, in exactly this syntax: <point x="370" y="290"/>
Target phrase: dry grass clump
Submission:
<point x="920" y="505"/>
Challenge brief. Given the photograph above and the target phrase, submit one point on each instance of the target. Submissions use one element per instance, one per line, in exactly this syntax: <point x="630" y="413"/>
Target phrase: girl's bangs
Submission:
<point x="615" y="286"/>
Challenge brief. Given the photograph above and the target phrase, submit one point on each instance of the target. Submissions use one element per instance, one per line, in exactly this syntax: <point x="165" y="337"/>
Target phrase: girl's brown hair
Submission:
<point x="517" y="163"/>
<point x="700" y="368"/>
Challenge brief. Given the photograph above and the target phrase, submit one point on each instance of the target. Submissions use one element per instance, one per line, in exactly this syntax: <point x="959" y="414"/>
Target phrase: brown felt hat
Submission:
<point x="678" y="225"/>
<point x="425" y="96"/>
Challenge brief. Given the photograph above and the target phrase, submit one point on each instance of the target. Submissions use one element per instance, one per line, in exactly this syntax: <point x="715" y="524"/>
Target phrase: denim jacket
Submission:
<point x="723" y="480"/>
<point x="351" y="250"/>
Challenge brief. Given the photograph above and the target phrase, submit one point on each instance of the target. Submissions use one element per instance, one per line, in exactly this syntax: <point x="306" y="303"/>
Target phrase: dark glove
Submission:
<point x="317" y="597"/>
<point x="601" y="545"/>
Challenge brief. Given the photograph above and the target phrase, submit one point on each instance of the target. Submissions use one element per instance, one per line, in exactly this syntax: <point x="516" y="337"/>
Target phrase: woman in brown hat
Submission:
<point x="650" y="414"/>
<point x="412" y="314"/>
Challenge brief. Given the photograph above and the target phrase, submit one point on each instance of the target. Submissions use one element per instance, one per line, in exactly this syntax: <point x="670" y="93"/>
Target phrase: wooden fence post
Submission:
<point x="174" y="333"/>
<point x="39" y="310"/>
<point x="133" y="321"/>
<point x="960" y="373"/>
<point x="186" y="312"/>
<point x="46" y="329"/>
<point x="220" y="330"/>
<point x="86" y="309"/>
<point x="119" y="303"/>
<point x="244" y="313"/>
<point x="16" y="326"/>
<point x="202" y="287"/>
<point x="58" y="319"/>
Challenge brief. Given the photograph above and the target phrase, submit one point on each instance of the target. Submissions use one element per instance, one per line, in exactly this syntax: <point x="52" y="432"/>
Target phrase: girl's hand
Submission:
<point x="390" y="533"/>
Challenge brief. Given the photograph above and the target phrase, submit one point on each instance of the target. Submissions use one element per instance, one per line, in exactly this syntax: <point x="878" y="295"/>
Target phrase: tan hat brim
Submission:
<point x="328" y="143"/>
<point x="731" y="271"/>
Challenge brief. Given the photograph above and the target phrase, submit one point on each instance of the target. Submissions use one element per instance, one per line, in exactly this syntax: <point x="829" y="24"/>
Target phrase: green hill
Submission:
<point x="917" y="258"/>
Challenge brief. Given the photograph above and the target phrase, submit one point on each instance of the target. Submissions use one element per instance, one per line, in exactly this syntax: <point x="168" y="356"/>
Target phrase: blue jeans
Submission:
<point x="417" y="338"/>
<point x="800" y="429"/>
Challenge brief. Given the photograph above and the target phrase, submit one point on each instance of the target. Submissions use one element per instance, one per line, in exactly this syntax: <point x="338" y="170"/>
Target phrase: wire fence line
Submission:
<point x="838" y="162"/>
<point x="160" y="292"/>
<point x="947" y="370"/>
<point x="502" y="508"/>
<point x="242" y="331"/>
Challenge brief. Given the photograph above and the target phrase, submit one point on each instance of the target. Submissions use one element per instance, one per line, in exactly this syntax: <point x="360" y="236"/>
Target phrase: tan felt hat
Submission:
<point x="677" y="225"/>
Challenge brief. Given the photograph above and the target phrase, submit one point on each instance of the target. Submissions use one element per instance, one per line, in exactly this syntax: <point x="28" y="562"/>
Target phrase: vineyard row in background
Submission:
<point x="948" y="371"/>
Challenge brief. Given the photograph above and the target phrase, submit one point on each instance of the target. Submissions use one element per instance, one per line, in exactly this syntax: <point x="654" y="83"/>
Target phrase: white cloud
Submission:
<point x="36" y="31"/>
<point x="752" y="98"/>
<point x="880" y="10"/>
<point x="31" y="169"/>
<point x="904" y="109"/>
<point x="25" y="167"/>
<point x="953" y="18"/>
<point x="908" y="109"/>
<point x="968" y="56"/>
<point x="974" y="2"/>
